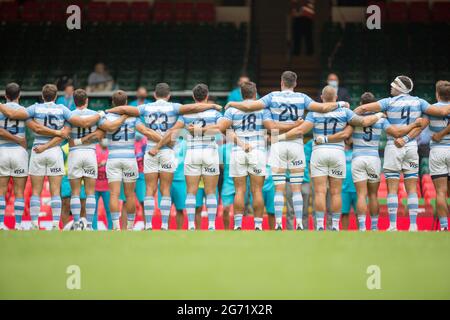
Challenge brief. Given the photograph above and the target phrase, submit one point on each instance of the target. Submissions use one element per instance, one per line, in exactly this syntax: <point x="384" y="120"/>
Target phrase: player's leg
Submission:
<point x="114" y="203"/>
<point x="346" y="207"/>
<point x="296" y="180"/>
<point x="166" y="179"/>
<point x="374" y="207"/>
<point x="19" y="202"/>
<point x="413" y="201"/>
<point x="361" y="203"/>
<point x="91" y="201"/>
<point x="257" y="183"/>
<point x="3" y="188"/>
<point x="392" y="180"/>
<point x="320" y="194"/>
<point x="240" y="184"/>
<point x="279" y="180"/>
<point x="211" y="199"/>
<point x="75" y="202"/>
<point x="336" y="201"/>
<point x="37" y="183"/>
<point x="130" y="203"/>
<point x="56" y="203"/>
<point x="192" y="188"/>
<point x="306" y="193"/>
<point x="151" y="181"/>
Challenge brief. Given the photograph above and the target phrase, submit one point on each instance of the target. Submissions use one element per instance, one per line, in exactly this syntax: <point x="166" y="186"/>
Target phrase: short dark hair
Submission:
<point x="12" y="91"/>
<point x="200" y="92"/>
<point x="367" y="97"/>
<point x="49" y="92"/>
<point x="119" y="98"/>
<point x="443" y="90"/>
<point x="162" y="90"/>
<point x="406" y="81"/>
<point x="289" y="79"/>
<point x="80" y="97"/>
<point x="248" y="90"/>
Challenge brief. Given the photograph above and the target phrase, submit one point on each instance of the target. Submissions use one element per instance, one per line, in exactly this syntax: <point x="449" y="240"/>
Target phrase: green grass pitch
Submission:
<point x="224" y="265"/>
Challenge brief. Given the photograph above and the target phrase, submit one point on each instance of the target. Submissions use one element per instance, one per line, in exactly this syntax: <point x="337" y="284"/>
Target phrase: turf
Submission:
<point x="224" y="265"/>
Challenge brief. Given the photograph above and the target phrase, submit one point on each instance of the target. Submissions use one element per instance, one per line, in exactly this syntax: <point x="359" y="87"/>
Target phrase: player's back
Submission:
<point x="15" y="127"/>
<point x="203" y="119"/>
<point x="403" y="110"/>
<point x="327" y="124"/>
<point x="49" y="115"/>
<point x="287" y="106"/>
<point x="121" y="141"/>
<point x="437" y="124"/>
<point x="159" y="116"/>
<point x="78" y="132"/>
<point x="249" y="126"/>
<point x="366" y="140"/>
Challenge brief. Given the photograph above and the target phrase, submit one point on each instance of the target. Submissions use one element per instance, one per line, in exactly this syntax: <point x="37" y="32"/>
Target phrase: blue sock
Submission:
<point x="165" y="206"/>
<point x="444" y="222"/>
<point x="238" y="220"/>
<point x="149" y="208"/>
<point x="56" y="209"/>
<point x="211" y="206"/>
<point x="91" y="204"/>
<point x="374" y="223"/>
<point x="75" y="207"/>
<point x="297" y="199"/>
<point x="190" y="209"/>
<point x="258" y="223"/>
<point x="335" y="218"/>
<point x="19" y="208"/>
<point x="413" y="207"/>
<point x="320" y="220"/>
<point x="2" y="209"/>
<point x="392" y="203"/>
<point x="279" y="205"/>
<point x="35" y="208"/>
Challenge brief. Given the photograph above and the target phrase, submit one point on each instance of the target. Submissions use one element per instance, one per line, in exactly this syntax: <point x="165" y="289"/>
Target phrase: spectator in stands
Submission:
<point x="67" y="98"/>
<point x="101" y="185"/>
<point x="100" y="80"/>
<point x="141" y="97"/>
<point x="343" y="95"/>
<point x="235" y="94"/>
<point x="302" y="12"/>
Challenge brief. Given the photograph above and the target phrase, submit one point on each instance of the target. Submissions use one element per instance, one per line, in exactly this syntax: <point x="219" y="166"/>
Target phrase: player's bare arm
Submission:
<point x="85" y="122"/>
<point x="302" y="129"/>
<point x="337" y="137"/>
<point x="149" y="133"/>
<point x="282" y="127"/>
<point x="170" y="136"/>
<point x="38" y="128"/>
<point x="400" y="142"/>
<point x="438" y="136"/>
<point x="93" y="137"/>
<point x="401" y="131"/>
<point x="246" y="106"/>
<point x="128" y="110"/>
<point x="56" y="141"/>
<point x="366" y="108"/>
<point x="5" y="134"/>
<point x="110" y="126"/>
<point x="198" y="107"/>
<point x="17" y="114"/>
<point x="441" y="111"/>
<point x="327" y="106"/>
<point x="366" y="121"/>
<point x="245" y="146"/>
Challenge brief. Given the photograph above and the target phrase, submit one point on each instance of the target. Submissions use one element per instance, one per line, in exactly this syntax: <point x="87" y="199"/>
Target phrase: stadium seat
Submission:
<point x="119" y="11"/>
<point x="397" y="11"/>
<point x="163" y="12"/>
<point x="441" y="11"/>
<point x="184" y="12"/>
<point x="206" y="12"/>
<point x="419" y="12"/>
<point x="31" y="12"/>
<point x="9" y="11"/>
<point x="140" y="11"/>
<point x="97" y="11"/>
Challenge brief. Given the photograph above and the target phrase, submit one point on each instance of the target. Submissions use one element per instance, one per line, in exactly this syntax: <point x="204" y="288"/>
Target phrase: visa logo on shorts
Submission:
<point x="166" y="166"/>
<point x="337" y="172"/>
<point x="55" y="170"/>
<point x="89" y="172"/>
<point x="373" y="176"/>
<point x="297" y="162"/>
<point x="257" y="171"/>
<point x="210" y="170"/>
<point x="19" y="171"/>
<point x="129" y="174"/>
<point x="413" y="165"/>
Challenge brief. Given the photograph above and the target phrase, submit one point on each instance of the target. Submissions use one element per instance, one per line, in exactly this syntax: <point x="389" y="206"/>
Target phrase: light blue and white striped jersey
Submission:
<point x="287" y="106"/>
<point x="437" y="124"/>
<point x="15" y="127"/>
<point x="50" y="115"/>
<point x="159" y="116"/>
<point x="205" y="118"/>
<point x="121" y="142"/>
<point x="366" y="140"/>
<point x="403" y="110"/>
<point x="327" y="124"/>
<point x="78" y="132"/>
<point x="249" y="126"/>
